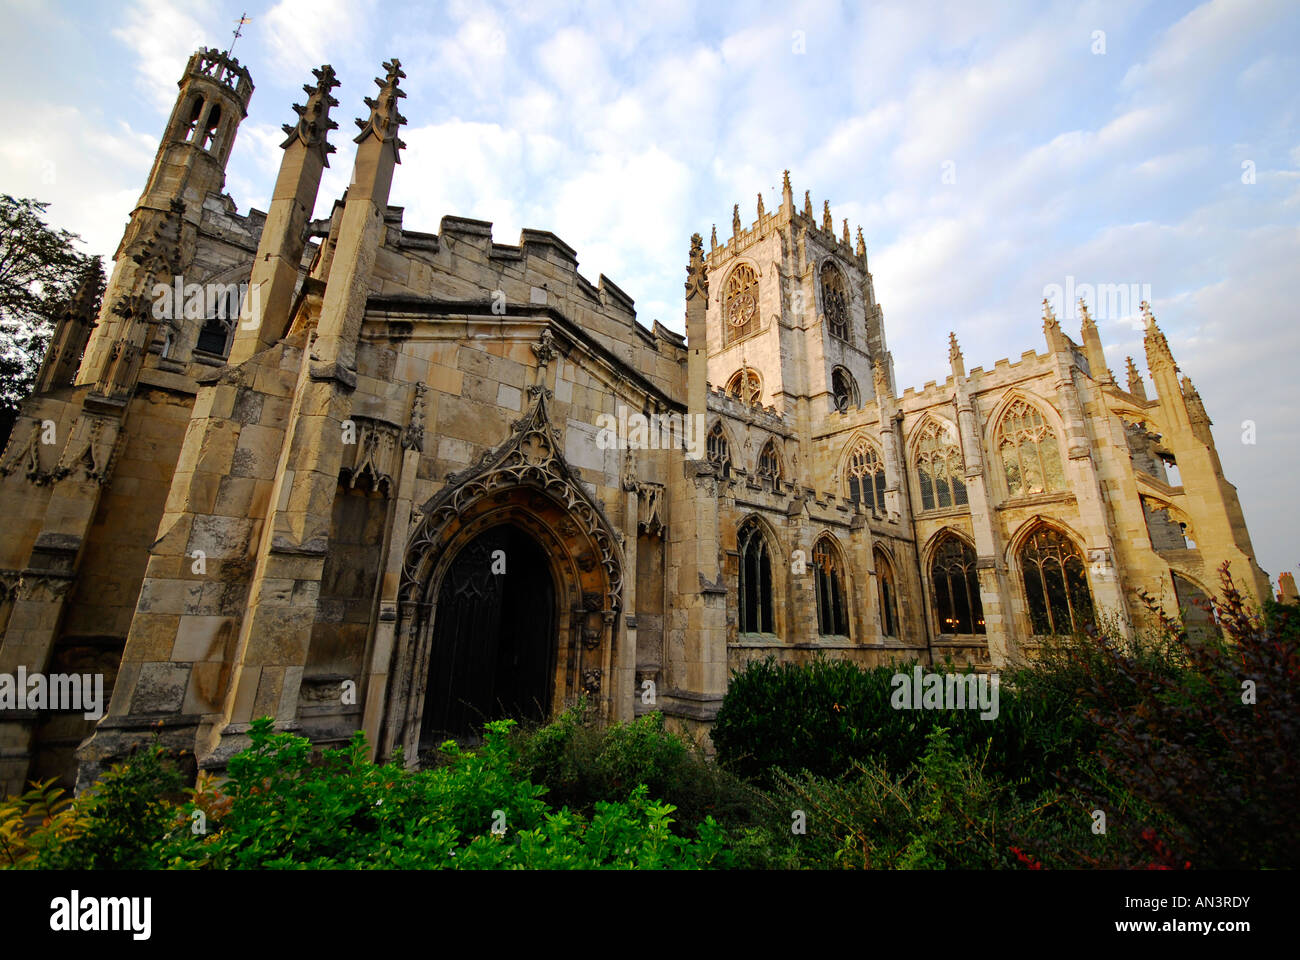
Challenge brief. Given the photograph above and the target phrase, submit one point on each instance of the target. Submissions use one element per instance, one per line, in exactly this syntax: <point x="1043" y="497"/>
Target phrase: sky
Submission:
<point x="989" y="150"/>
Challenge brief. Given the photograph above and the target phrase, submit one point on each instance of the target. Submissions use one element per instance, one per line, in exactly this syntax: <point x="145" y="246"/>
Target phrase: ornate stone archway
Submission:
<point x="524" y="482"/>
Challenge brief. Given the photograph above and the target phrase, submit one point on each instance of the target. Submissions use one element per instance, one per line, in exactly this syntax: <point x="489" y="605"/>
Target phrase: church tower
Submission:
<point x="159" y="242"/>
<point x="793" y="318"/>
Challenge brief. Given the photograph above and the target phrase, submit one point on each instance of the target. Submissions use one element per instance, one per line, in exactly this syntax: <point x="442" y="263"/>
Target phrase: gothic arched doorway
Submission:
<point x="494" y="637"/>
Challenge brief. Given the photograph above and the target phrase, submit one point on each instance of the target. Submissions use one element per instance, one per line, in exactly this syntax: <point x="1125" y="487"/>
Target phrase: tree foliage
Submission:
<point x="39" y="270"/>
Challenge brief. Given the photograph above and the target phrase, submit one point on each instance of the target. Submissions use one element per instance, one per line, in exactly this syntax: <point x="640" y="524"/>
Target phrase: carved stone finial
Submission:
<point x="713" y="240"/>
<point x="735" y="220"/>
<point x="544" y="348"/>
<point x="1083" y="310"/>
<point x="828" y="222"/>
<point x="862" y="244"/>
<point x="807" y="204"/>
<point x="697" y="279"/>
<point x="847" y="241"/>
<point x="314" y="122"/>
<point x="1048" y="314"/>
<point x="385" y="120"/>
<point x="761" y="211"/>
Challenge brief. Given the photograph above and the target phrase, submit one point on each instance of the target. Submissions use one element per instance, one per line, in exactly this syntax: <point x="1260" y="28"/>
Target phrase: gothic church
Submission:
<point x="373" y="494"/>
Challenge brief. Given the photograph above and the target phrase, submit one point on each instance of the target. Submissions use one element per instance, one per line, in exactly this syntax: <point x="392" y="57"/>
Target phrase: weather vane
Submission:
<point x="239" y="26"/>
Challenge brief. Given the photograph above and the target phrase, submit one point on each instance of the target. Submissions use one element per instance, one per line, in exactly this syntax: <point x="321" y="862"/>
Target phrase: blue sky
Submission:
<point x="1108" y="142"/>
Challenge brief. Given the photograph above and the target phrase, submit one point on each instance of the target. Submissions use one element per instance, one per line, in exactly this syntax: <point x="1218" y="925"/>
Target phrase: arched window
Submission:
<point x="1031" y="458"/>
<point x="222" y="311"/>
<point x="191" y="124"/>
<point x="888" y="594"/>
<point x="740" y="304"/>
<point x="832" y="618"/>
<point x="769" y="461"/>
<point x="939" y="467"/>
<point x="866" y="476"/>
<point x="835" y="302"/>
<point x="719" y="451"/>
<point x="1056" y="584"/>
<point x="210" y="129"/>
<point x="844" y="389"/>
<point x="746" y="386"/>
<point x="956" y="585"/>
<point x="755" y="592"/>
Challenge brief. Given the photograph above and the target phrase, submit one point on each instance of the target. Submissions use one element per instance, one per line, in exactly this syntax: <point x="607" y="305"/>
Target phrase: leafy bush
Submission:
<point x="117" y="821"/>
<point x="1207" y="737"/>
<point x="583" y="761"/>
<point x="825" y="715"/>
<point x="281" y="810"/>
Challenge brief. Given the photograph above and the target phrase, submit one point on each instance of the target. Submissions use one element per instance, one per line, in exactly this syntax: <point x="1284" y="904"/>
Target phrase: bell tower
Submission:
<point x="160" y="238"/>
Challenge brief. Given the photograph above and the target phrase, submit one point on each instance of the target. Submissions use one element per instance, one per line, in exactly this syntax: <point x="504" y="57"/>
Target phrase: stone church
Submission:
<point x="356" y="476"/>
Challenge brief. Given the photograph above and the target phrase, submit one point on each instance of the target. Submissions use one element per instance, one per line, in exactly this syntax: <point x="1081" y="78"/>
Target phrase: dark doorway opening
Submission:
<point x="494" y="642"/>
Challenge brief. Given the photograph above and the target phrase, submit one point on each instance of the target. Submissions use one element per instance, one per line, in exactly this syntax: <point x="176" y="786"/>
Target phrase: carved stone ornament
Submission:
<point x="591" y="680"/>
<point x="529" y="457"/>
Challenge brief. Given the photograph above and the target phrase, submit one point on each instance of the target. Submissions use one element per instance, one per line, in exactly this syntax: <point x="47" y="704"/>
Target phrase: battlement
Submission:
<point x="722" y="402"/>
<point x="224" y="70"/>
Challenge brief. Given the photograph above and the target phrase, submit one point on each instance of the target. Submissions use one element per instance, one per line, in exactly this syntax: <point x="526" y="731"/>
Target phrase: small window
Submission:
<point x="1056" y="584"/>
<point x="835" y="302"/>
<point x="1031" y="459"/>
<point x="746" y="386"/>
<point x="832" y="618"/>
<point x="939" y="468"/>
<point x="866" y="477"/>
<point x="769" y="462"/>
<point x="718" y="450"/>
<point x="958" y="609"/>
<point x="755" y="588"/>
<point x="191" y="124"/>
<point x="888" y="594"/>
<point x="844" y="389"/>
<point x="209" y="140"/>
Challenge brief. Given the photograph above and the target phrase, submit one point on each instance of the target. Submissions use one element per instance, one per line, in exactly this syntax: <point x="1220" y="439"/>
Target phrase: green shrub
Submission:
<point x="583" y="761"/>
<point x="825" y="715"/>
<point x="120" y="819"/>
<point x="279" y="809"/>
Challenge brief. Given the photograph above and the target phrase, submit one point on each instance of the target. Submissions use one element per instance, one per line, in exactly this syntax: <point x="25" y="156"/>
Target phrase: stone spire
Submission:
<point x="955" y="357"/>
<point x="862" y="244"/>
<point x="1158" y="352"/>
<point x="1135" y="384"/>
<point x="1051" y="327"/>
<point x="828" y="222"/>
<point x="384" y="120"/>
<point x="72" y="330"/>
<point x="807" y="204"/>
<point x="761" y="211"/>
<point x="713" y="240"/>
<point x="1195" y="408"/>
<point x="1092" y="346"/>
<point x="787" y="194"/>
<point x="847" y="241"/>
<point x="735" y="220"/>
<point x="274" y="280"/>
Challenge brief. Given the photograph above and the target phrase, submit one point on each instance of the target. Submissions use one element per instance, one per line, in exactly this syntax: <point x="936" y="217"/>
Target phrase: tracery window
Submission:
<point x="717" y="448"/>
<point x="769" y="461"/>
<point x="956" y="587"/>
<point x="740" y="304"/>
<point x="755" y="588"/>
<point x="844" y="389"/>
<point x="1056" y="584"/>
<point x="835" y="302"/>
<point x="746" y="386"/>
<point x="887" y="588"/>
<point x="1031" y="457"/>
<point x="939" y="467"/>
<point x="866" y="476"/>
<point x="192" y="123"/>
<point x="832" y="618"/>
